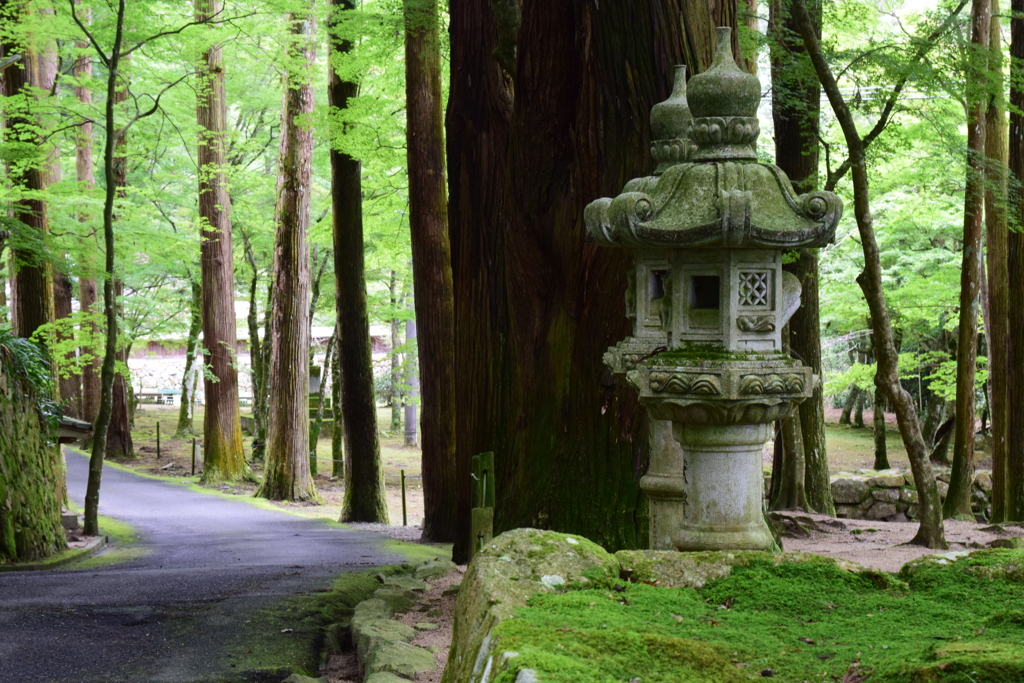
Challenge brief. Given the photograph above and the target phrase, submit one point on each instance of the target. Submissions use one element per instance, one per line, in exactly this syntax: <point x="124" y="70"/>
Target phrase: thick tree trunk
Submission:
<point x="846" y="418"/>
<point x="287" y="475"/>
<point x="930" y="533"/>
<point x="364" y="476"/>
<point x="958" y="499"/>
<point x="87" y="300"/>
<point x="432" y="266"/>
<point x="788" y="487"/>
<point x="223" y="457"/>
<point x="858" y="410"/>
<point x="537" y="305"/>
<point x="1014" y="505"/>
<point x="70" y="381"/>
<point x="31" y="274"/>
<point x="185" y="427"/>
<point x="996" y="223"/>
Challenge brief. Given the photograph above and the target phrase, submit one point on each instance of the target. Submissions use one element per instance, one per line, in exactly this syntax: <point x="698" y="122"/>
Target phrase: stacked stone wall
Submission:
<point x="890" y="495"/>
<point x="31" y="476"/>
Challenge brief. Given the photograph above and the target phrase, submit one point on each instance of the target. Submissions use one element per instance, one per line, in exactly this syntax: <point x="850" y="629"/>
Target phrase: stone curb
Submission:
<point x="67" y="557"/>
<point x="383" y="644"/>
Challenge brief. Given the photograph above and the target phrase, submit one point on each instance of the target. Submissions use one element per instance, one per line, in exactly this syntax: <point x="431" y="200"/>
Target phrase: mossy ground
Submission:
<point x="961" y="621"/>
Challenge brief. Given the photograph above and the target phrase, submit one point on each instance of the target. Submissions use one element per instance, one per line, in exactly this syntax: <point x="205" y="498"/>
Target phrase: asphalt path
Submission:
<point x="170" y="615"/>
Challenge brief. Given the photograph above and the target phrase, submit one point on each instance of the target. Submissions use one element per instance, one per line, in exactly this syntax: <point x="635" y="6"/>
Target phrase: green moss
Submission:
<point x="691" y="352"/>
<point x="289" y="636"/>
<point x="806" y="620"/>
<point x="121" y="537"/>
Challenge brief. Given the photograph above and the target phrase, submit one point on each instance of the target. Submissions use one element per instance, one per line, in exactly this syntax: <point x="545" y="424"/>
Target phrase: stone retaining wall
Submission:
<point x="890" y="496"/>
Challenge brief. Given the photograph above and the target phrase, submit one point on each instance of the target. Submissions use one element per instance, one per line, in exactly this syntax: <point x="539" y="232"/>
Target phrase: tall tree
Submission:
<point x="364" y="477"/>
<point x="85" y="174"/>
<point x="287" y="474"/>
<point x="31" y="277"/>
<point x="996" y="223"/>
<point x="930" y="532"/>
<point x="796" y="110"/>
<point x="432" y="266"/>
<point x="538" y="126"/>
<point x="958" y="499"/>
<point x="396" y="358"/>
<point x="223" y="458"/>
<point x="1014" y="487"/>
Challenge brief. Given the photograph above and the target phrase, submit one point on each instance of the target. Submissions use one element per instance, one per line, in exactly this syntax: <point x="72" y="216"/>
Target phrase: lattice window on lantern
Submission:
<point x="754" y="289"/>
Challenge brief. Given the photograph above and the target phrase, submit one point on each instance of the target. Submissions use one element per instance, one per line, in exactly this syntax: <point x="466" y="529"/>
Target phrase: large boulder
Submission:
<point x="507" y="572"/>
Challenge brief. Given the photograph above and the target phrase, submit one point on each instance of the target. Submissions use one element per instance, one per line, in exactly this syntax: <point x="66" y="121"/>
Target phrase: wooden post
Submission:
<point x="157" y="440"/>
<point x="193" y="457"/>
<point x="482" y="514"/>
<point x="405" y="520"/>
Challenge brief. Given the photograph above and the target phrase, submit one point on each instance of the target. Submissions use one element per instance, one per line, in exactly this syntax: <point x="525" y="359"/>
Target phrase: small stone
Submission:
<point x="426" y="626"/>
<point x="397" y="598"/>
<point x="908" y="495"/>
<point x="849" y="491"/>
<point x="886" y="481"/>
<point x="943" y="475"/>
<point x="943" y="488"/>
<point x="880" y="511"/>
<point x="908" y="479"/>
<point x="526" y="676"/>
<point x="984" y="482"/>
<point x="452" y="590"/>
<point x="886" y="495"/>
<point x="299" y="678"/>
<point x="434" y="649"/>
<point x="371" y="634"/>
<point x="385" y="677"/>
<point x="899" y="517"/>
<point x="1013" y="542"/>
<point x="866" y="503"/>
<point x="434" y="612"/>
<point x="407" y="582"/>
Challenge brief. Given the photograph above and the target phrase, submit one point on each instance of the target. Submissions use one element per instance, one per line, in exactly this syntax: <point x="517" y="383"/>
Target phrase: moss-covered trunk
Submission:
<point x="287" y="474"/>
<point x="536" y="305"/>
<point x="223" y="458"/>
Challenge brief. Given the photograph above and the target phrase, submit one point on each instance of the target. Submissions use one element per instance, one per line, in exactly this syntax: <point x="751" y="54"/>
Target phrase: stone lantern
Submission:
<point x="709" y="298"/>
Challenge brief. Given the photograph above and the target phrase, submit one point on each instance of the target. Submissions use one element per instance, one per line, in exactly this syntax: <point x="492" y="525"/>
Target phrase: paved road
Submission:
<point x="169" y="616"/>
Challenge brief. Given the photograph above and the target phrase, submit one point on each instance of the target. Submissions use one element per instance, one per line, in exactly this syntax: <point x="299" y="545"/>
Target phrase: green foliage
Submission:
<point x="27" y="361"/>
<point x="807" y="620"/>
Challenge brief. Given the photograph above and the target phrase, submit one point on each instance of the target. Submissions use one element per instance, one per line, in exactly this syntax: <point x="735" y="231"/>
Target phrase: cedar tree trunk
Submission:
<point x="287" y="475"/>
<point x="531" y="140"/>
<point x="432" y="267"/>
<point x="1014" y="503"/>
<point x="223" y="458"/>
<point x="364" y="477"/>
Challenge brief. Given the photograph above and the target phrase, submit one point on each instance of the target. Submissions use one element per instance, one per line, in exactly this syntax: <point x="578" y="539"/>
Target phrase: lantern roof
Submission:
<point x="709" y="190"/>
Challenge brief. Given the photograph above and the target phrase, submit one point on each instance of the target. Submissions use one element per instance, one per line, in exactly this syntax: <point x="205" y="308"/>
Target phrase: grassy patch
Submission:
<point x="122" y="537"/>
<point x="960" y="621"/>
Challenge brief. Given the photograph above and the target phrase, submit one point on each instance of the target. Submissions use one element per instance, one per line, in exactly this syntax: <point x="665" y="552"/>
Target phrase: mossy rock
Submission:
<point x="509" y="570"/>
<point x="401" y="659"/>
<point x="433" y="568"/>
<point x="406" y="582"/>
<point x="385" y="677"/>
<point x="973" y="661"/>
<point x="372" y="634"/>
<point x="397" y="598"/>
<point x="671" y="569"/>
